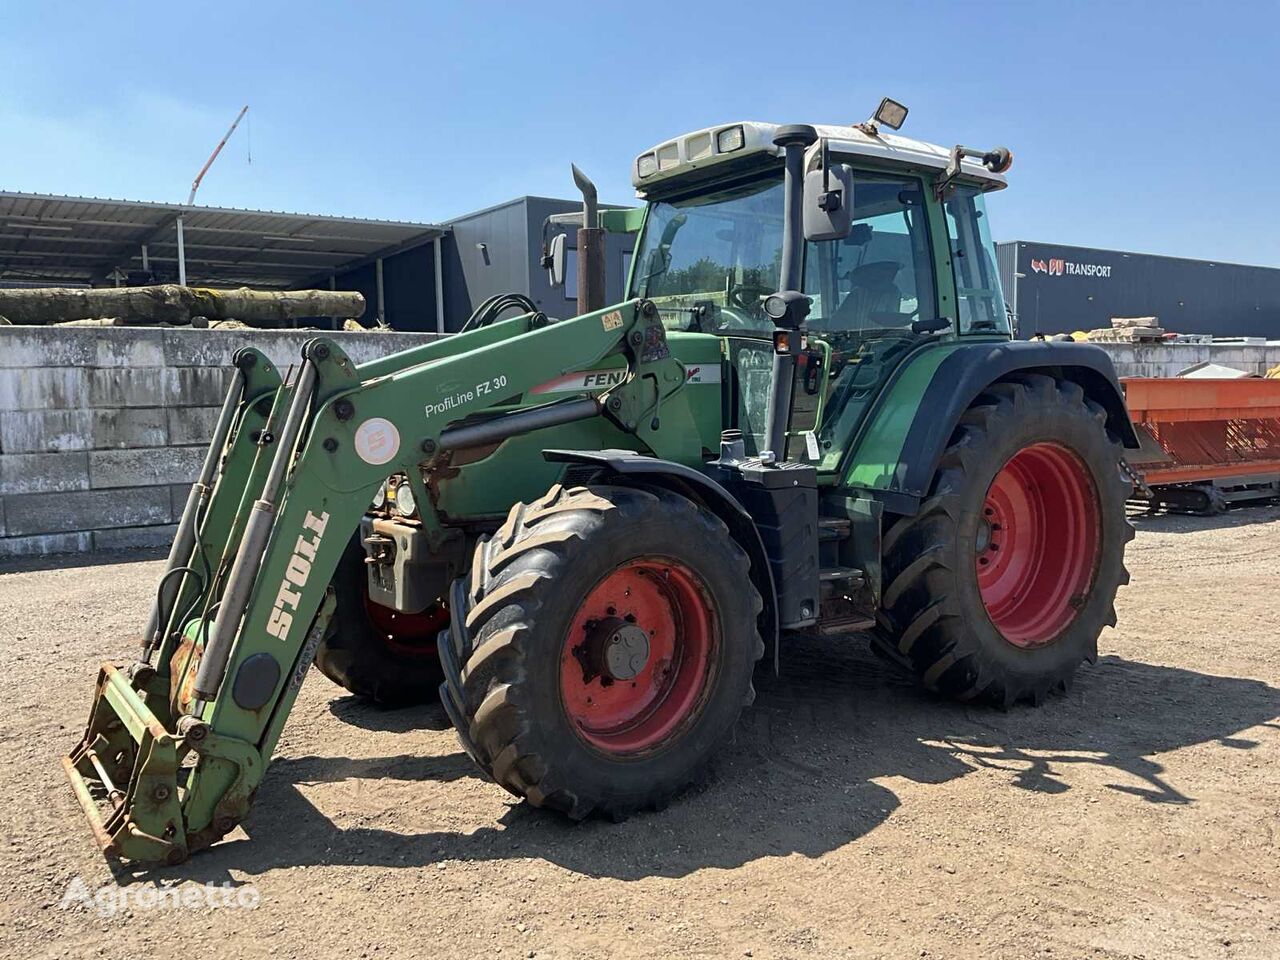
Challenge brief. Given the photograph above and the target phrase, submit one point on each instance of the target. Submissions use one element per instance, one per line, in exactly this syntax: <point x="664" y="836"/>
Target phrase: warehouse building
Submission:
<point x="414" y="276"/>
<point x="83" y="241"/>
<point x="1053" y="288"/>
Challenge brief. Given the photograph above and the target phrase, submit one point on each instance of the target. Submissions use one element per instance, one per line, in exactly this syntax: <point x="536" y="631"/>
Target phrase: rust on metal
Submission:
<point x="182" y="676"/>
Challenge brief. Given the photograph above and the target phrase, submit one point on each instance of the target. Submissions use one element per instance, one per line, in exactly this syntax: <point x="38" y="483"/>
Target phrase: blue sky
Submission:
<point x="1140" y="126"/>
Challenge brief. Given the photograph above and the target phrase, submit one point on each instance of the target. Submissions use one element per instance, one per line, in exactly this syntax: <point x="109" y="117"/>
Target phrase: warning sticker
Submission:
<point x="377" y="441"/>
<point x="612" y="320"/>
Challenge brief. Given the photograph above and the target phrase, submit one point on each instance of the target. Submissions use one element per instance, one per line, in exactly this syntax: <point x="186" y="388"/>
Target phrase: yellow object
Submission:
<point x="1274" y="372"/>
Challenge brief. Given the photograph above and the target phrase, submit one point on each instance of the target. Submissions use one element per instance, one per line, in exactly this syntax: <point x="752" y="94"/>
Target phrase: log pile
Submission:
<point x="175" y="305"/>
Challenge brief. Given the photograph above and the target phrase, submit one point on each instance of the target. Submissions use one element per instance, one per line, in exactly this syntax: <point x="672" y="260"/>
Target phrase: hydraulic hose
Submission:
<point x="495" y="306"/>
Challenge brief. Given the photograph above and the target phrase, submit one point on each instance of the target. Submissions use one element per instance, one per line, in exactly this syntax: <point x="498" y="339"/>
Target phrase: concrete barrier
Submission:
<point x="1168" y="360"/>
<point x="102" y="429"/>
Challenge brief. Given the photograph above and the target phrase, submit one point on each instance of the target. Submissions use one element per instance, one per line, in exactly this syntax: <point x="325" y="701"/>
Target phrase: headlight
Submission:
<point x="380" y="498"/>
<point x="647" y="165"/>
<point x="406" y="506"/>
<point x="730" y="139"/>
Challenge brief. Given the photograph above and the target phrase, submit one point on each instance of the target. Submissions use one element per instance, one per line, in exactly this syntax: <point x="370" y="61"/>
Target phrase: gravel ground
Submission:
<point x="853" y="816"/>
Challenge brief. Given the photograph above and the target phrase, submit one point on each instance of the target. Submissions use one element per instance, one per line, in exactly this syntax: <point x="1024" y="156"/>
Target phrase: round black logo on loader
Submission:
<point x="255" y="681"/>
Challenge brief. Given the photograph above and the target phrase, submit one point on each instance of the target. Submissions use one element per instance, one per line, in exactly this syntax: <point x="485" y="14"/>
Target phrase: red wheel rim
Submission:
<point x="1038" y="544"/>
<point x="623" y="715"/>
<point x="408" y="634"/>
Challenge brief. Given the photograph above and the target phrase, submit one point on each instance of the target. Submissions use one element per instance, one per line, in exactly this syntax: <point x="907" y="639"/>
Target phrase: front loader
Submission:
<point x="808" y="417"/>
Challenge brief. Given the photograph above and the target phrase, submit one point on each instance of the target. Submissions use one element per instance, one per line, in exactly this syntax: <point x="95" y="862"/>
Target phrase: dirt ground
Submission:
<point x="853" y="817"/>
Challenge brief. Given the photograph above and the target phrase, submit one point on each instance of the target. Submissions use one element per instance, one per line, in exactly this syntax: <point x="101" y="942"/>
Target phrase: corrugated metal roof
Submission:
<point x="86" y="239"/>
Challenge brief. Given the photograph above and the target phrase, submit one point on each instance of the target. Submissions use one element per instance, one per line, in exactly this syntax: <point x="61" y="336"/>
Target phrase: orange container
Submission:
<point x="1202" y="430"/>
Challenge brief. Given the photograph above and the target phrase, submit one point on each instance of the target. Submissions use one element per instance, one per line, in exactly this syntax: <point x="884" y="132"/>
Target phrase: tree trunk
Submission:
<point x="170" y="303"/>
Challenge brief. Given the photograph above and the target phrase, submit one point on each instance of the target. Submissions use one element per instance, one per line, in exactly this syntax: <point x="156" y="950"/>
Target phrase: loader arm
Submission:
<point x="178" y="743"/>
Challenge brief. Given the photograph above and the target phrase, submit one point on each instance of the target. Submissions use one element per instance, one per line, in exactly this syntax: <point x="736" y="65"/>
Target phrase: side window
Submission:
<point x="978" y="292"/>
<point x="881" y="275"/>
<point x="571" y="273"/>
<point x="626" y="268"/>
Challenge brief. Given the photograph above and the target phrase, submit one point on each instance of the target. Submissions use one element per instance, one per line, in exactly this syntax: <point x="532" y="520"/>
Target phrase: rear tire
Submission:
<point x="999" y="586"/>
<point x="375" y="652"/>
<point x="548" y="714"/>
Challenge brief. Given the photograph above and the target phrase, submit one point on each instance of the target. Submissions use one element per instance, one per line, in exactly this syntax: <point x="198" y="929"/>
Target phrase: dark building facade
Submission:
<point x="491" y="251"/>
<point x="1054" y="288"/>
<point x="499" y="250"/>
<point x="409" y="300"/>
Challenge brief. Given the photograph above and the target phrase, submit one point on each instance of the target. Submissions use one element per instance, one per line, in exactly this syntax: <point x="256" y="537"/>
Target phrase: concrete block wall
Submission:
<point x="102" y="429"/>
<point x="1168" y="360"/>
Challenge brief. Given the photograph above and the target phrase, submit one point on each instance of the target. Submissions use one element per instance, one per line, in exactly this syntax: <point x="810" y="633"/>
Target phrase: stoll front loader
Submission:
<point x="807" y="417"/>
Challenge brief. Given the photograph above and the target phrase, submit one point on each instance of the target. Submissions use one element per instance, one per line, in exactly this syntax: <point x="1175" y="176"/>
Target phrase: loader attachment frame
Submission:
<point x="177" y="744"/>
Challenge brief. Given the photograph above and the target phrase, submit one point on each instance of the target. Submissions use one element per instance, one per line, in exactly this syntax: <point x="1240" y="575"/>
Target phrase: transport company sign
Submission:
<point x="1058" y="267"/>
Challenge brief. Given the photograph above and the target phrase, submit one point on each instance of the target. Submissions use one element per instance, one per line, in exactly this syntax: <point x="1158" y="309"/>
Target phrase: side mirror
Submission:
<point x="828" y="202"/>
<point x="554" y="260"/>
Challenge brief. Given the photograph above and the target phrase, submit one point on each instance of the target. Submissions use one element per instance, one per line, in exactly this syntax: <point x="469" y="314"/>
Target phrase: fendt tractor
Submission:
<point x="808" y="417"/>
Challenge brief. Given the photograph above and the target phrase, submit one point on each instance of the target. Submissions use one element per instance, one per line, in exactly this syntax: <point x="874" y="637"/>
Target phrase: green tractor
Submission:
<point x="807" y="417"/>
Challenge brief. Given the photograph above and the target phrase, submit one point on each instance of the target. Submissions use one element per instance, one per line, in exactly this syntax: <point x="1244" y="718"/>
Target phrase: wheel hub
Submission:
<point x="616" y="649"/>
<point x="638" y="657"/>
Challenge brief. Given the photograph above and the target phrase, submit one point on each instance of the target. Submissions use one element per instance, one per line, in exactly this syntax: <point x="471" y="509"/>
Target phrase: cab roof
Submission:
<point x="700" y="149"/>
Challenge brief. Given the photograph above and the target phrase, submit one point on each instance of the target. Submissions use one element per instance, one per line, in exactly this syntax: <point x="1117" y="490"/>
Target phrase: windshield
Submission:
<point x="708" y="261"/>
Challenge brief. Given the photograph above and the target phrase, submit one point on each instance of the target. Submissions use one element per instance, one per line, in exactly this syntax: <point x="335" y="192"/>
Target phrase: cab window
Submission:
<point x="880" y="276"/>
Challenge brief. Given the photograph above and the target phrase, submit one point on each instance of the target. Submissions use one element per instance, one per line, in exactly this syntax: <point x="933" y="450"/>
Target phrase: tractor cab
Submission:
<point x="917" y="264"/>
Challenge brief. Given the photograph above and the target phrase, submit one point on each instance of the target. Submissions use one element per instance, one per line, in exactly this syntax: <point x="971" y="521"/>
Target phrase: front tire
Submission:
<point x="610" y="645"/>
<point x="999" y="586"/>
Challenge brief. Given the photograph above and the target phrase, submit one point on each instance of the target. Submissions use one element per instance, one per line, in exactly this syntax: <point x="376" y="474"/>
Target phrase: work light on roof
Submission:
<point x="730" y="139"/>
<point x="891" y="113"/>
<point x="647" y="165"/>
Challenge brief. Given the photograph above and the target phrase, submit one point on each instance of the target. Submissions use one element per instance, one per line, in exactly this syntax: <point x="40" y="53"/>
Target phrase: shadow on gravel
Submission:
<point x="356" y="712"/>
<point x="71" y="561"/>
<point x="798" y="777"/>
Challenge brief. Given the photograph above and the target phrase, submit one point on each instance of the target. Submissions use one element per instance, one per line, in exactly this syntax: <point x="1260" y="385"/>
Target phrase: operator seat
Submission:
<point x="872" y="292"/>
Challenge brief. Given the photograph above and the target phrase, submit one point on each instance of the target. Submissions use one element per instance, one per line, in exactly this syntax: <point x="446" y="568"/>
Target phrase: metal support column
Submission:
<point x="382" y="303"/>
<point x="182" y="257"/>
<point x="438" y="247"/>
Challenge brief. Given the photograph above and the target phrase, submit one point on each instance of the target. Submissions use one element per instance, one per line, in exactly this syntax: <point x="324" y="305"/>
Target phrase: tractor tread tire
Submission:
<point x="353" y="656"/>
<point x="925" y="624"/>
<point x="517" y="573"/>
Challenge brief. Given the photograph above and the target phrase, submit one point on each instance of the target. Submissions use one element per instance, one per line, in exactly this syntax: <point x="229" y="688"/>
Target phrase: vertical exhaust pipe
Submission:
<point x="591" y="292"/>
<point x="248" y="561"/>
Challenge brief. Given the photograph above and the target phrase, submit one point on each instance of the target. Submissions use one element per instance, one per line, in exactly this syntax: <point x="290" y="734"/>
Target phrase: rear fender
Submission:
<point x="626" y="468"/>
<point x="959" y="379"/>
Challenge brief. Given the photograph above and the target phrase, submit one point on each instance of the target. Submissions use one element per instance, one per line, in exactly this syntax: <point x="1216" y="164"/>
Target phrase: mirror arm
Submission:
<point x="997" y="160"/>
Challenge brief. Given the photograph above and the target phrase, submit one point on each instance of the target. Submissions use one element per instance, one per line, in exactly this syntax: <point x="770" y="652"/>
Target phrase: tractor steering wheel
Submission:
<point x="747" y="296"/>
